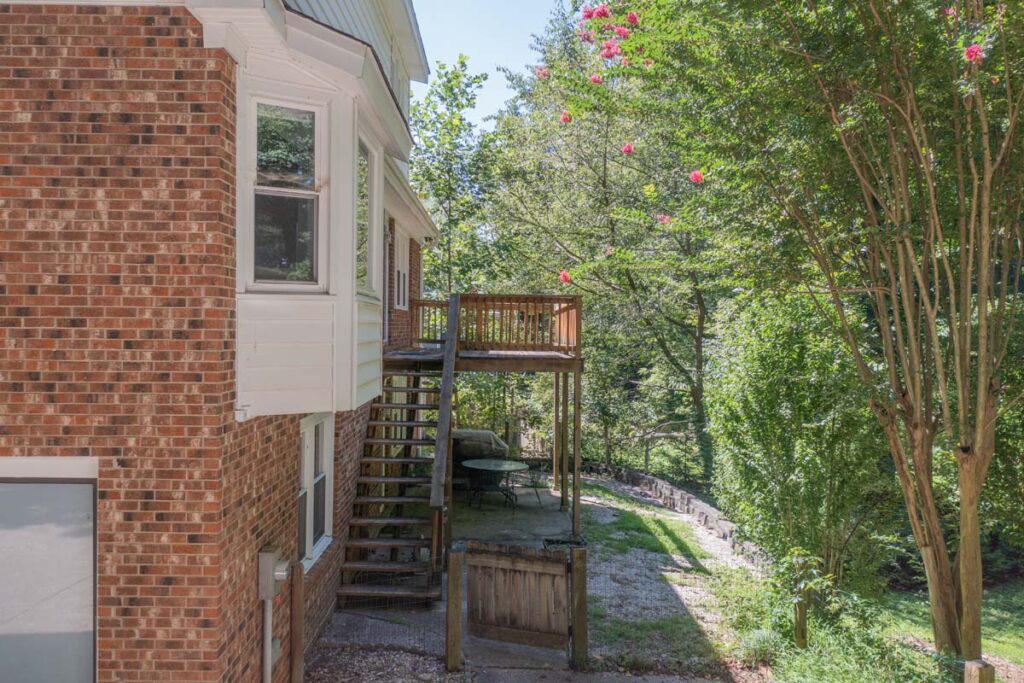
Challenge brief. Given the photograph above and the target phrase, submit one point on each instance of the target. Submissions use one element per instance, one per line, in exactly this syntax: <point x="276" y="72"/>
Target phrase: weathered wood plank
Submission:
<point x="453" y="614"/>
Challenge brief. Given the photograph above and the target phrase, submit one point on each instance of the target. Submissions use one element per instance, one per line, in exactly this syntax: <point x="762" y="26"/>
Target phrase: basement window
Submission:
<point x="316" y="486"/>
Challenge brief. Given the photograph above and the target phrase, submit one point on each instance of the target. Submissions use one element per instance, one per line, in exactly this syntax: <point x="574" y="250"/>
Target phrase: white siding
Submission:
<point x="366" y="20"/>
<point x="285" y="354"/>
<point x="368" y="351"/>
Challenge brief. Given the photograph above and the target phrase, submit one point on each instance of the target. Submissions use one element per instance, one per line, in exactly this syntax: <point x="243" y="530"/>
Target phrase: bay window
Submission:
<point x="287" y="200"/>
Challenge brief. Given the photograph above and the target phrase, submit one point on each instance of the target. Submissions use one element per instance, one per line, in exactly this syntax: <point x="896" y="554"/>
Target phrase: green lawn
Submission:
<point x="1002" y="619"/>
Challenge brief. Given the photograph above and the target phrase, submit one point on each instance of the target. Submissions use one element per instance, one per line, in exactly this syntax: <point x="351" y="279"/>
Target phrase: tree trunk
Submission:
<point x="970" y="557"/>
<point x="700" y="427"/>
<point x="607" y="446"/>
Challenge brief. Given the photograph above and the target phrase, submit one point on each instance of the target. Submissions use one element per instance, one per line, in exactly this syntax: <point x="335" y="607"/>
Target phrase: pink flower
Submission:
<point x="566" y="117"/>
<point x="621" y="31"/>
<point x="602" y="11"/>
<point x="542" y="73"/>
<point x="696" y="177"/>
<point x="949" y="11"/>
<point x="627" y="148"/>
<point x="564" y="277"/>
<point x="633" y="18"/>
<point x="610" y="49"/>
<point x="596" y="79"/>
<point x="588" y="13"/>
<point x="625" y="61"/>
<point x="648" y="63"/>
<point x="586" y="36"/>
<point x="664" y="219"/>
<point x="973" y="54"/>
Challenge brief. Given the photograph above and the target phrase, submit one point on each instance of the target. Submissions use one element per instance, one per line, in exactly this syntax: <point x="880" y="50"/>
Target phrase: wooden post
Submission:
<point x="800" y="623"/>
<point x="577" y="398"/>
<point x="298" y="619"/>
<point x="578" y="564"/>
<point x="979" y="671"/>
<point x="564" y="449"/>
<point x="555" y="466"/>
<point x="453" y="613"/>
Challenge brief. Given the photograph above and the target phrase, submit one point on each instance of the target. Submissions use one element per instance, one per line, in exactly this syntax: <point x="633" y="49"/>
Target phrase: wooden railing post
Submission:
<point x="440" y="484"/>
<point x="453" y="613"/>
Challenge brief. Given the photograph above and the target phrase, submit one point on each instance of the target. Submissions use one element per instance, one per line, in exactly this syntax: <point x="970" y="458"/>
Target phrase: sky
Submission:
<point x="490" y="33"/>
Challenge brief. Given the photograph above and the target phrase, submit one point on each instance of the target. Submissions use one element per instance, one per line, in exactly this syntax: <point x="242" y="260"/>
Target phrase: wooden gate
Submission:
<point x="524" y="595"/>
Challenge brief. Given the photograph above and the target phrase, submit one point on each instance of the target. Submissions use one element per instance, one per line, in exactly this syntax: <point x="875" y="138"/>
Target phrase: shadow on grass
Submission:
<point x="671" y="643"/>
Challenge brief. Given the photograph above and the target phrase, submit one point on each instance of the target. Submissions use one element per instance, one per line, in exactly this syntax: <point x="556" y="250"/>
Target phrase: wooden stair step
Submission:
<point x="396" y="500"/>
<point x="388" y="543"/>
<point x="397" y="460"/>
<point x="384" y="567"/>
<point x="401" y="442"/>
<point x="371" y="591"/>
<point x="389" y="521"/>
<point x="403" y="423"/>
<point x="412" y="373"/>
<point x="413" y="390"/>
<point x="406" y="406"/>
<point x="393" y="480"/>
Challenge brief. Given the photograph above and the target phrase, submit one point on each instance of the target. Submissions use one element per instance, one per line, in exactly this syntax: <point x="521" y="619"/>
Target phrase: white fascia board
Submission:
<point x="348" y="56"/>
<point x="402" y="16"/>
<point x="401" y="201"/>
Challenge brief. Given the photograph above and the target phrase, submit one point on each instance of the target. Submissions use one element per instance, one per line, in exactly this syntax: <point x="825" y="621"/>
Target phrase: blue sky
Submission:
<point x="490" y="33"/>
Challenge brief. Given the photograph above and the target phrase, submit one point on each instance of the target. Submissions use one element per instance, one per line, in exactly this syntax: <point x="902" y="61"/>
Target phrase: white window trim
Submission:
<point x="307" y="427"/>
<point x="378" y="224"/>
<point x="250" y="97"/>
<point x="402" y="247"/>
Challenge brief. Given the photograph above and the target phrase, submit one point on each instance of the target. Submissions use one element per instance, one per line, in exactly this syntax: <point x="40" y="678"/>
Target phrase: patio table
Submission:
<point x="504" y="467"/>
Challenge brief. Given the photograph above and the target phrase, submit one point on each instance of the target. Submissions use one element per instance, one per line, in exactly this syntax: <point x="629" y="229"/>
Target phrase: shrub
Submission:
<point x="759" y="647"/>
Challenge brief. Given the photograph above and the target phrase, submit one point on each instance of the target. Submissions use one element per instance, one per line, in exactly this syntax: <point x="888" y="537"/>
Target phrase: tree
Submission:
<point x="590" y="180"/>
<point x="449" y="169"/>
<point x="799" y="460"/>
<point x="874" y="151"/>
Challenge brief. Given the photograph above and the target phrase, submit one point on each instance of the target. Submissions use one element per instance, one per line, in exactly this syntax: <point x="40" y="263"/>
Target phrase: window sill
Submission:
<point x="318" y="550"/>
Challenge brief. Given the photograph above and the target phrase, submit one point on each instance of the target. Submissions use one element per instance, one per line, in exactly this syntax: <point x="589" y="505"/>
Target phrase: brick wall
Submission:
<point x="400" y="332"/>
<point x="117" y="303"/>
<point x="260" y="507"/>
<point x="117" y="300"/>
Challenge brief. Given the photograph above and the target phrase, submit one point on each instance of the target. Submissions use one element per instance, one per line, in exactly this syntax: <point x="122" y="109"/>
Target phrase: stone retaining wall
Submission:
<point x="681" y="500"/>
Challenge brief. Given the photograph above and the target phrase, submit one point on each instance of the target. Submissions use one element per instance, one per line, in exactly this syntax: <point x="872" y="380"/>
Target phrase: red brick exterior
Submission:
<point x="400" y="321"/>
<point x="117" y="330"/>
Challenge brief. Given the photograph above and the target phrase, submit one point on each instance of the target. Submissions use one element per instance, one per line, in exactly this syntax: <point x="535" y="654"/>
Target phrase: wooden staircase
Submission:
<point x="390" y="555"/>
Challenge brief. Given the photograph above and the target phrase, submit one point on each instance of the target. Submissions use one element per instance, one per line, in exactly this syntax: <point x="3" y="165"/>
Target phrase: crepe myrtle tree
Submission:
<point x="875" y="154"/>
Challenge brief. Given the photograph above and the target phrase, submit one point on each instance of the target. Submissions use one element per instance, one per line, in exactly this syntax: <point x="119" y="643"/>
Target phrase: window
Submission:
<point x="316" y="485"/>
<point x="364" y="218"/>
<point x="401" y="270"/>
<point x="287" y="201"/>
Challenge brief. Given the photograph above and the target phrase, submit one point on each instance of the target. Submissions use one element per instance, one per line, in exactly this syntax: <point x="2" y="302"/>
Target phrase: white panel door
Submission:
<point x="47" y="565"/>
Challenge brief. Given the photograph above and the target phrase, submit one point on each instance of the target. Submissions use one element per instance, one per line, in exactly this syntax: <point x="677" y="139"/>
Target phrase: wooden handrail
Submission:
<point x="444" y="420"/>
<point x="505" y="322"/>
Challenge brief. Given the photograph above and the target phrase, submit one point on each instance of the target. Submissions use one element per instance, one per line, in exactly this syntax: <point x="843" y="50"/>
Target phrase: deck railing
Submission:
<point x="504" y="322"/>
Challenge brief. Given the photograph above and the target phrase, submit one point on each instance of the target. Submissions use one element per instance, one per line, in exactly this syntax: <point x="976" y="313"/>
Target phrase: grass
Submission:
<point x="679" y="640"/>
<point x="641" y="526"/>
<point x="1002" y="619"/>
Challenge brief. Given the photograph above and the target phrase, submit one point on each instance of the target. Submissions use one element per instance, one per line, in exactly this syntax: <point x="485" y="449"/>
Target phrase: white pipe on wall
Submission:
<point x="268" y="641"/>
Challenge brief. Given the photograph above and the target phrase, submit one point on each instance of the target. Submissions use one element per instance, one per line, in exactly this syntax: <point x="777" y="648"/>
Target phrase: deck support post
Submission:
<point x="578" y="601"/>
<point x="577" y="398"/>
<point x="555" y="430"/>
<point x="453" y="613"/>
<point x="564" y="449"/>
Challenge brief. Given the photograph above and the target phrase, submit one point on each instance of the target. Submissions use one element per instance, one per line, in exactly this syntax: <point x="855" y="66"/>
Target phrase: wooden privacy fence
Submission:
<point x="505" y="322"/>
<point x="532" y="596"/>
